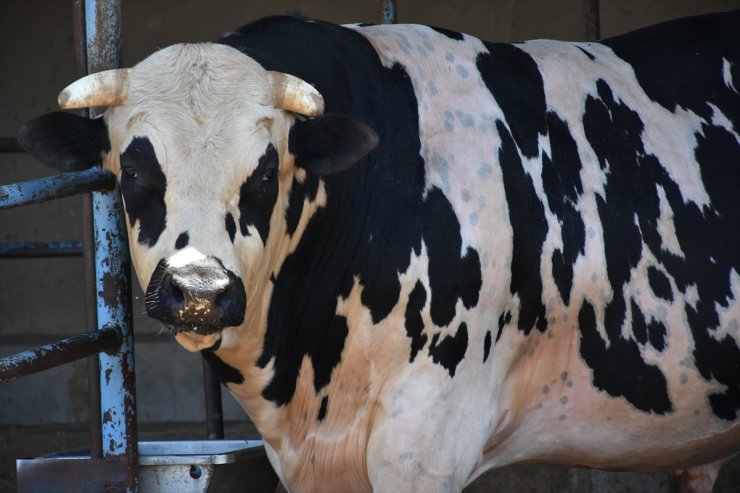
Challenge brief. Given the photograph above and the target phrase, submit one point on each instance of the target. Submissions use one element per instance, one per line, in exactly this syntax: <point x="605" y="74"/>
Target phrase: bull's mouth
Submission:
<point x="202" y="330"/>
<point x="197" y="338"/>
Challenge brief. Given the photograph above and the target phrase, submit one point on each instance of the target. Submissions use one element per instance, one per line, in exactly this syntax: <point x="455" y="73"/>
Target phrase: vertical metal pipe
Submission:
<point x="214" y="407"/>
<point x="387" y="11"/>
<point x="112" y="265"/>
<point x="88" y="256"/>
<point x="591" y="19"/>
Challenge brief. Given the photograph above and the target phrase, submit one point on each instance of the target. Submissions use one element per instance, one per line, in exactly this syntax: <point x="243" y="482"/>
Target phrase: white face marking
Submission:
<point x="185" y="256"/>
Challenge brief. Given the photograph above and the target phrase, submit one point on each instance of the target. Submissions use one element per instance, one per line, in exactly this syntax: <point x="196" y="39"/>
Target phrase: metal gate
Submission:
<point x="112" y="462"/>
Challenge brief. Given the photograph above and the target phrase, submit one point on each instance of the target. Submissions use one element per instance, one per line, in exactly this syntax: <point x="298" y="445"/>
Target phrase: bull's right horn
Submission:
<point x="107" y="88"/>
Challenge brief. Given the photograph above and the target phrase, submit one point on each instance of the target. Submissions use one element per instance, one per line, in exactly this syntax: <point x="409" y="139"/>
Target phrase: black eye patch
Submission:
<point x="143" y="186"/>
<point x="258" y="194"/>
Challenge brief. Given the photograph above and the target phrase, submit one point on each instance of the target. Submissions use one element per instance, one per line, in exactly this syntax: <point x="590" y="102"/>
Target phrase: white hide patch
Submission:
<point x="729" y="321"/>
<point x="727" y="74"/>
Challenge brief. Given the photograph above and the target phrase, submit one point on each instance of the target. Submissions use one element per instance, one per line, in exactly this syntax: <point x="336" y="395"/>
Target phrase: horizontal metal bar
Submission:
<point x="54" y="187"/>
<point x="10" y="144"/>
<point x="36" y="250"/>
<point x="48" y="356"/>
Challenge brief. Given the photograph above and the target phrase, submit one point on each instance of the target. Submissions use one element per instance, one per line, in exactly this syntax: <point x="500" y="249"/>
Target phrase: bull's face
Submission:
<point x="206" y="145"/>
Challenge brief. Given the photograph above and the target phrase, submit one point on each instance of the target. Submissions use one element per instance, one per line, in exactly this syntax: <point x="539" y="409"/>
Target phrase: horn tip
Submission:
<point x="63" y="99"/>
<point x="319" y="104"/>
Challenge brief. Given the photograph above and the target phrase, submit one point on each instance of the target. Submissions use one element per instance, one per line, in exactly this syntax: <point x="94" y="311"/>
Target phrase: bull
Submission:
<point x="413" y="256"/>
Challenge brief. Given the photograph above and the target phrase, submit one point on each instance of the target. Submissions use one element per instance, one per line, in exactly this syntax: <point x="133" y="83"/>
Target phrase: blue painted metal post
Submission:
<point x="112" y="266"/>
<point x="387" y="11"/>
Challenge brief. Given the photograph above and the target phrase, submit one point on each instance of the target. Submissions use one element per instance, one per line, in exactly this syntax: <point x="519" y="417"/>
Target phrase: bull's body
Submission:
<point x="539" y="262"/>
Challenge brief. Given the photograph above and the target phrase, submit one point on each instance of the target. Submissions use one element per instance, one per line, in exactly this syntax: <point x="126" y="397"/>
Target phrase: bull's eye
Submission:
<point x="130" y="172"/>
<point x="269" y="174"/>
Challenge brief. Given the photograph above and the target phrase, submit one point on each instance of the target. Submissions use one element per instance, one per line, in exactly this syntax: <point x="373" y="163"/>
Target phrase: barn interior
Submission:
<point x="42" y="299"/>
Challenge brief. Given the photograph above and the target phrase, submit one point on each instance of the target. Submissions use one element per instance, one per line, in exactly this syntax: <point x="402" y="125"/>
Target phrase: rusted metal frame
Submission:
<point x="387" y="11"/>
<point x="214" y="406"/>
<point x="54" y="187"/>
<point x="590" y="10"/>
<point x="40" y="250"/>
<point x="112" y="268"/>
<point x="88" y="254"/>
<point x="42" y="358"/>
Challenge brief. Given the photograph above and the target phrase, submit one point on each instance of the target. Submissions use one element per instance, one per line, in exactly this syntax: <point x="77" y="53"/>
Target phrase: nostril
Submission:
<point x="174" y="288"/>
<point x="176" y="294"/>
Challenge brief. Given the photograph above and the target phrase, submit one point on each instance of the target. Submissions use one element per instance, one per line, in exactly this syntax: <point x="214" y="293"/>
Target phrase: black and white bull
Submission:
<point x="476" y="255"/>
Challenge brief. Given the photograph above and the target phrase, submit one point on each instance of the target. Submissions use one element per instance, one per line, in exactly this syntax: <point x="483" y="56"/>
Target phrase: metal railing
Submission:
<point x="113" y="461"/>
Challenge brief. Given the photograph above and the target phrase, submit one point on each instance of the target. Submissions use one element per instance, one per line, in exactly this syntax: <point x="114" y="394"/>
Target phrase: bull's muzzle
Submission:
<point x="202" y="296"/>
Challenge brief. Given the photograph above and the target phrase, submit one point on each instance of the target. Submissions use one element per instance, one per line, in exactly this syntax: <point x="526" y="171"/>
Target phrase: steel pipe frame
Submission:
<point x="53" y="187"/>
<point x="590" y="9"/>
<point x="48" y="356"/>
<point x="387" y="11"/>
<point x="112" y="269"/>
<point x="39" y="250"/>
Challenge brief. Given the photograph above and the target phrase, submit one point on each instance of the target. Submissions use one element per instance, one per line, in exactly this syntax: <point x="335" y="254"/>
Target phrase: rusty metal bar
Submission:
<point x="40" y="250"/>
<point x="88" y="255"/>
<point x="112" y="268"/>
<point x="10" y="144"/>
<point x="54" y="187"/>
<point x="387" y="11"/>
<point x="591" y="19"/>
<point x="214" y="407"/>
<point x="67" y="350"/>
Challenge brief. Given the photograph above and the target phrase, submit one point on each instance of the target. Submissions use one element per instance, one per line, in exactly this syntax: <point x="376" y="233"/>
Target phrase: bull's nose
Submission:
<point x="202" y="294"/>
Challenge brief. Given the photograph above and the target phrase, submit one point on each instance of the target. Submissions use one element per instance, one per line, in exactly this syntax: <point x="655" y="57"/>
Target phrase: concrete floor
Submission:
<point x="31" y="441"/>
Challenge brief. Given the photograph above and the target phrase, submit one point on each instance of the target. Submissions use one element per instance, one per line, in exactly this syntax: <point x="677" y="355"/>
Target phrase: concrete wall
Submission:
<point x="42" y="300"/>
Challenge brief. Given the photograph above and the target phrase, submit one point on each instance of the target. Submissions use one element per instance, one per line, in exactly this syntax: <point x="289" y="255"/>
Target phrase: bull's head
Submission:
<point x="206" y="145"/>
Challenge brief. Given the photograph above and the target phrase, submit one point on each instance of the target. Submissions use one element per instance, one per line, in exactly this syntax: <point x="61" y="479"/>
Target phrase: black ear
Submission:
<point x="330" y="143"/>
<point x="65" y="141"/>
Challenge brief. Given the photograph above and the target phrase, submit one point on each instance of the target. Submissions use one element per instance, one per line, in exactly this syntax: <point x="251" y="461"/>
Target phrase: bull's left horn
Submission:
<point x="107" y="88"/>
<point x="290" y="93"/>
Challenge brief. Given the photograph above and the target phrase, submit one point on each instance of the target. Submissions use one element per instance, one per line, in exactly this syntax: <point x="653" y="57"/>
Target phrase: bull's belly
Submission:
<point x="553" y="410"/>
<point x="618" y="442"/>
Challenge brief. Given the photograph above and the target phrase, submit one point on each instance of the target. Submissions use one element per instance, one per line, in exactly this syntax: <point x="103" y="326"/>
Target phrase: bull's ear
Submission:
<point x="65" y="141"/>
<point x="330" y="143"/>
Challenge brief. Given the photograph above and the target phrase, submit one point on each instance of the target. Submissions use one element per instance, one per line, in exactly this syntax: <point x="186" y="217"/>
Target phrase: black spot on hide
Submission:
<point x="515" y="81"/>
<point x="487" y="346"/>
<point x="619" y="369"/>
<point x="258" y="195"/>
<point x="451" y="350"/>
<point x="182" y="241"/>
<point x="230" y="226"/>
<point x="225" y="372"/>
<point x="414" y="322"/>
<point x="143" y="186"/>
<point x="527" y="215"/>
<point x="450" y="34"/>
